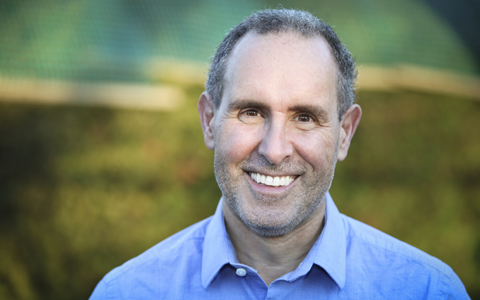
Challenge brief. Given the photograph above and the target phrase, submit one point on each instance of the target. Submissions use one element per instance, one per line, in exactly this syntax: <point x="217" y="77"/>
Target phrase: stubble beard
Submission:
<point x="307" y="199"/>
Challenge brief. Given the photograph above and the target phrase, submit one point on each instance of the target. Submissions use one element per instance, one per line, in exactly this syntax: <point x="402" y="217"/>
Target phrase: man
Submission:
<point x="279" y="113"/>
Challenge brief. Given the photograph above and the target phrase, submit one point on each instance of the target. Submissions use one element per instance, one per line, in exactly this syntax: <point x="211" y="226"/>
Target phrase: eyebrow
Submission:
<point x="242" y="104"/>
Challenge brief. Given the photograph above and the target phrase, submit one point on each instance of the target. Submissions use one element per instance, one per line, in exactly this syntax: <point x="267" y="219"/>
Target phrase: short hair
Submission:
<point x="280" y="21"/>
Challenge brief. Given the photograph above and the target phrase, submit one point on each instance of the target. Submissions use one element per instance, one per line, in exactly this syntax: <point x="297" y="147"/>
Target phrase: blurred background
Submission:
<point x="102" y="154"/>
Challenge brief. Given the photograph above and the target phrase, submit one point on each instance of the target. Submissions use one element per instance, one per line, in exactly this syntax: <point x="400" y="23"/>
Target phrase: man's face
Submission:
<point x="276" y="132"/>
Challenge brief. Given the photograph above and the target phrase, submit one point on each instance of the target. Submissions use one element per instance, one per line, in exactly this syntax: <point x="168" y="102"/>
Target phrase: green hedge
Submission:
<point x="82" y="190"/>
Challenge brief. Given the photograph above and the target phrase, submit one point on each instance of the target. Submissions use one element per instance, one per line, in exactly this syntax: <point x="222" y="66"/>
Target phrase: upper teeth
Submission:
<point x="272" y="181"/>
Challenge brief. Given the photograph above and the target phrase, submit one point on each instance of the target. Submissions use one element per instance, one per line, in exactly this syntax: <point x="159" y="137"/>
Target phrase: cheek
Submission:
<point x="237" y="141"/>
<point x="317" y="148"/>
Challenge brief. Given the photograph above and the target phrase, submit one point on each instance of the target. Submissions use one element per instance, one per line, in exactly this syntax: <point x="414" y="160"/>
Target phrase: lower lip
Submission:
<point x="270" y="189"/>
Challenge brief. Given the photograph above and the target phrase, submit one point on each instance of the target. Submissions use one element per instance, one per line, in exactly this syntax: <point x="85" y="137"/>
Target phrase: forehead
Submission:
<point x="283" y="66"/>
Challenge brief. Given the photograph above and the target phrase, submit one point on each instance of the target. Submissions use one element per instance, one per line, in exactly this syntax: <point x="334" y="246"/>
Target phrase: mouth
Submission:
<point x="274" y="181"/>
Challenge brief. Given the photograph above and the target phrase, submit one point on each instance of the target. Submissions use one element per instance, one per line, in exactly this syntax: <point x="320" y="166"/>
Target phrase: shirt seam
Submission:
<point x="447" y="284"/>
<point x="110" y="290"/>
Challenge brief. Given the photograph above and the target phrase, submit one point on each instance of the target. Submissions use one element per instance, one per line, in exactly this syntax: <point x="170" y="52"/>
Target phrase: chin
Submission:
<point x="272" y="231"/>
<point x="273" y="221"/>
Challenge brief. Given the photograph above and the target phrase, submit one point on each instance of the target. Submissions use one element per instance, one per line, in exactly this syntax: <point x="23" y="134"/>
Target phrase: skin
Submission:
<point x="278" y="116"/>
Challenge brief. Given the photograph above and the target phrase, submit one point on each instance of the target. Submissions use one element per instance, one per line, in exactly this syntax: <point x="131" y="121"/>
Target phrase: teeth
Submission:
<point x="276" y="181"/>
<point x="269" y="180"/>
<point x="272" y="181"/>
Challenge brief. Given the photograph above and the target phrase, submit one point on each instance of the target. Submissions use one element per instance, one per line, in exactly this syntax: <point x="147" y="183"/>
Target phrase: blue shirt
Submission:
<point x="350" y="260"/>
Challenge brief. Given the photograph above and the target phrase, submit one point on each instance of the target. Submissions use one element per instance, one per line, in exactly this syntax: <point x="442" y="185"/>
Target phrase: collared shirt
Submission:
<point x="349" y="260"/>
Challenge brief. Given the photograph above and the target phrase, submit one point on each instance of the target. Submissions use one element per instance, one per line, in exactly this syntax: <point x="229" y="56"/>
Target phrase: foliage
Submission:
<point x="82" y="190"/>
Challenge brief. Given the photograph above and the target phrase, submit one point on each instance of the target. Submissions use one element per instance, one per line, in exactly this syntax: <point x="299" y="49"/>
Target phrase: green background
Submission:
<point x="83" y="189"/>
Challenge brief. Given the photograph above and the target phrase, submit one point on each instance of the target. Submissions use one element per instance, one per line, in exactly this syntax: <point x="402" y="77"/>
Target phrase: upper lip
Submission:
<point x="272" y="174"/>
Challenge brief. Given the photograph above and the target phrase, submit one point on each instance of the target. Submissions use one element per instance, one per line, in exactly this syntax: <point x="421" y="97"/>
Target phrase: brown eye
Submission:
<point x="250" y="116"/>
<point x="304" y="118"/>
<point x="251" y="113"/>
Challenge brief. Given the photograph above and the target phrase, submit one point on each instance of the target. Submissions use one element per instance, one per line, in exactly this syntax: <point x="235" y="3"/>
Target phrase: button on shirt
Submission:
<point x="350" y="260"/>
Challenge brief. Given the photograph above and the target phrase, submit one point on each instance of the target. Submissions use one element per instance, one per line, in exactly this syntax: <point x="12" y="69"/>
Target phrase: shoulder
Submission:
<point x="358" y="232"/>
<point x="161" y="263"/>
<point x="398" y="263"/>
<point x="167" y="250"/>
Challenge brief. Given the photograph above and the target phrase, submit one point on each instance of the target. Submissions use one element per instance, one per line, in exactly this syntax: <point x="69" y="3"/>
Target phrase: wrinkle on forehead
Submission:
<point x="281" y="66"/>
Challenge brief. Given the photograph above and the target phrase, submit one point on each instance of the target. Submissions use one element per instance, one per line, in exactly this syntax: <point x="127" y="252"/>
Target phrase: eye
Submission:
<point x="250" y="115"/>
<point x="304" y="118"/>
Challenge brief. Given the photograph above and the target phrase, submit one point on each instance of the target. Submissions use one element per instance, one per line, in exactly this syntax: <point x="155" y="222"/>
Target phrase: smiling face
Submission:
<point x="276" y="134"/>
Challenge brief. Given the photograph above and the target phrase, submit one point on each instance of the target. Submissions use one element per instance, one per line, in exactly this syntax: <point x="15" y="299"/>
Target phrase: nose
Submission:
<point x="275" y="146"/>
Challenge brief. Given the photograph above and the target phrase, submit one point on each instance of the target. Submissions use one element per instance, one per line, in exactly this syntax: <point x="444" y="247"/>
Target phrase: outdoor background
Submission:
<point x="102" y="154"/>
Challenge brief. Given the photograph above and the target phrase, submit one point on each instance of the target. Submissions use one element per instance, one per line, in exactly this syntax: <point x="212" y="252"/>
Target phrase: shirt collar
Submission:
<point x="328" y="252"/>
<point x="217" y="247"/>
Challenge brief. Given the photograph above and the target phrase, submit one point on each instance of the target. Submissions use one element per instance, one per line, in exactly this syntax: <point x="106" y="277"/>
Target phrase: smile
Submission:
<point x="271" y="180"/>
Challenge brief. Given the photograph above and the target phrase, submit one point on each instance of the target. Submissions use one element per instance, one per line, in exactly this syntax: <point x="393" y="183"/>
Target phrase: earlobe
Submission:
<point x="206" y="111"/>
<point x="348" y="125"/>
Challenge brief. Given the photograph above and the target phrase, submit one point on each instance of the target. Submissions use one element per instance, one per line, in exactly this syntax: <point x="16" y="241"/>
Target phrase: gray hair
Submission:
<point x="279" y="21"/>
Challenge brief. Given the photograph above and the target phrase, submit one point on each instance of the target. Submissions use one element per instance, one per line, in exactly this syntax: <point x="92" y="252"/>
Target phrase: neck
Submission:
<point x="275" y="256"/>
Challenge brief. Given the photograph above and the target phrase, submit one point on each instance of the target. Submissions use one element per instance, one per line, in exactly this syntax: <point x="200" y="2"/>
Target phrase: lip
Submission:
<point x="265" y="189"/>
<point x="266" y="173"/>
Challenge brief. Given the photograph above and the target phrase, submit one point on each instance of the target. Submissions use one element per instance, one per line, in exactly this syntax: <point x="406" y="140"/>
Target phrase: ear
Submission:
<point x="349" y="123"/>
<point x="206" y="110"/>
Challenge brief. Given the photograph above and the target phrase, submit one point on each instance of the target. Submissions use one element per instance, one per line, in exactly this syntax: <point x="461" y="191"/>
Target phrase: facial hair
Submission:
<point x="308" y="194"/>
